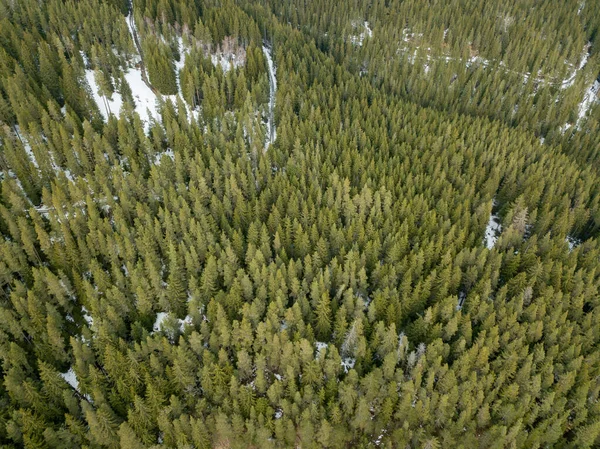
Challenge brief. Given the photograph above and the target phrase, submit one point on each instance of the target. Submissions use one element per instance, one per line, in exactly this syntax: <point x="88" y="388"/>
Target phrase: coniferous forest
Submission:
<point x="299" y="224"/>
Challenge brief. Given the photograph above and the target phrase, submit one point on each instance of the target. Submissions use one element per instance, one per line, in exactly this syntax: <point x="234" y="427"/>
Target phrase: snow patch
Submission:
<point x="573" y="242"/>
<point x="188" y="320"/>
<point x="106" y="105"/>
<point x="271" y="131"/>
<point x="71" y="378"/>
<point x="26" y="146"/>
<point x="348" y="363"/>
<point x="321" y="346"/>
<point x="367" y="32"/>
<point x="589" y="98"/>
<point x="585" y="55"/>
<point x="160" y="317"/>
<point x="228" y="60"/>
<point x="146" y="103"/>
<point x="87" y="317"/>
<point x="158" y="157"/>
<point x="492" y="231"/>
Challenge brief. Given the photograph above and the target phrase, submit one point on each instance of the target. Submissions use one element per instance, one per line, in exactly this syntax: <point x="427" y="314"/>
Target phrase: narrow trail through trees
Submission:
<point x="271" y="131"/>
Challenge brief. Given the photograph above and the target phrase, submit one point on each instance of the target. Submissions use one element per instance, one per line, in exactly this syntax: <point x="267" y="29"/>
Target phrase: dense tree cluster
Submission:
<point x="178" y="283"/>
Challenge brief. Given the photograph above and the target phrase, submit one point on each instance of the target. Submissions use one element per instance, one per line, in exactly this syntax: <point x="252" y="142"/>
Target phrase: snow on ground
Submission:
<point x="278" y="413"/>
<point x="106" y="105"/>
<point x="160" y="317"/>
<point x="348" y="363"/>
<point x="87" y="317"/>
<point x="589" y="98"/>
<point x="321" y="346"/>
<point x="26" y="146"/>
<point x="271" y="131"/>
<point x="358" y="40"/>
<point x="183" y="51"/>
<point x="227" y="60"/>
<point x="573" y="242"/>
<point x="146" y="103"/>
<point x="585" y="55"/>
<point x="188" y="320"/>
<point x="71" y="378"/>
<point x="159" y="156"/>
<point x="492" y="231"/>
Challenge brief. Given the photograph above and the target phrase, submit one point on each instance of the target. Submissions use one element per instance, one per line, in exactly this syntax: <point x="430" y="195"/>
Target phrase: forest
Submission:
<point x="289" y="224"/>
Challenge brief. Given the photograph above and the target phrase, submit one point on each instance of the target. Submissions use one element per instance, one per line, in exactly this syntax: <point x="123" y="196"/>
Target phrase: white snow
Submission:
<point x="87" y="317"/>
<point x="358" y="40"/>
<point x="572" y="242"/>
<point x="160" y="317"/>
<point x="278" y="413"/>
<point x="348" y="363"/>
<point x="271" y="131"/>
<point x="183" y="51"/>
<point x="71" y="378"/>
<point x="277" y="376"/>
<point x="227" y="61"/>
<point x="492" y="231"/>
<point x="321" y="346"/>
<point x="26" y="146"/>
<point x="106" y="105"/>
<point x="158" y="157"/>
<point x="146" y="103"/>
<point x="585" y="55"/>
<point x="589" y="98"/>
<point x="186" y="321"/>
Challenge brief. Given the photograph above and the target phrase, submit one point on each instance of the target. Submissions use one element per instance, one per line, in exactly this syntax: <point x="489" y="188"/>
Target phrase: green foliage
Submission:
<point x="179" y="283"/>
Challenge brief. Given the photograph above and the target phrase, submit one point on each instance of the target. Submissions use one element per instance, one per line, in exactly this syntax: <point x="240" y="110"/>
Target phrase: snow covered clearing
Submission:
<point x="227" y="61"/>
<point x="183" y="51"/>
<point x="229" y="55"/>
<point x="106" y="105"/>
<point x="271" y="131"/>
<point x="146" y="103"/>
<point x="492" y="231"/>
<point x="71" y="378"/>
